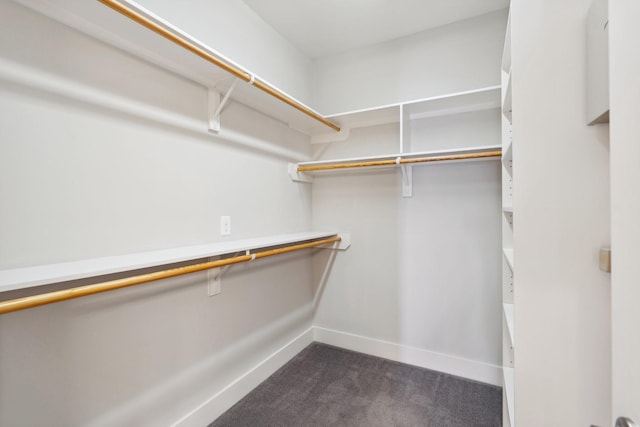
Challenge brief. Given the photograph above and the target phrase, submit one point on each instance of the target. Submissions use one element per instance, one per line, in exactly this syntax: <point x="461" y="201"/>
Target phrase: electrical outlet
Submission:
<point x="225" y="225"/>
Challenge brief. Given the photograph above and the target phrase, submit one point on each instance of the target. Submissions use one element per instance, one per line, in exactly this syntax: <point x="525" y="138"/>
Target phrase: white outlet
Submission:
<point x="225" y="225"/>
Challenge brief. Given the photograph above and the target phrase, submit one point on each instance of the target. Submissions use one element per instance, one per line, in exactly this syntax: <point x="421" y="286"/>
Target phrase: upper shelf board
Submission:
<point x="441" y="105"/>
<point x="20" y="278"/>
<point x="367" y="117"/>
<point x="455" y="103"/>
<point x="101" y="22"/>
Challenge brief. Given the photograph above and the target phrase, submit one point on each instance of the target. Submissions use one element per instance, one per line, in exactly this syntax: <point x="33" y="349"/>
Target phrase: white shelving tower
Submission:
<point x="508" y="342"/>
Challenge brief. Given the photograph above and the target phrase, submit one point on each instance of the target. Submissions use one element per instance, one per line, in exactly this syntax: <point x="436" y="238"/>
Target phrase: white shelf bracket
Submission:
<point x="214" y="278"/>
<point x="216" y="105"/>
<point x="299" y="176"/>
<point x="342" y="245"/>
<point x="407" y="179"/>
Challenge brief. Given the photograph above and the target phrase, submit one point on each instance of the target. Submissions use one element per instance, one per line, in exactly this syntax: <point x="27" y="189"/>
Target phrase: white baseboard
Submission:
<point x="478" y="371"/>
<point x="217" y="404"/>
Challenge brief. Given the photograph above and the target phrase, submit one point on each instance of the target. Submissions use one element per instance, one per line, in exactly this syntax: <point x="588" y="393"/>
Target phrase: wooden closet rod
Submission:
<point x="230" y="68"/>
<point x="66" y="294"/>
<point x="392" y="162"/>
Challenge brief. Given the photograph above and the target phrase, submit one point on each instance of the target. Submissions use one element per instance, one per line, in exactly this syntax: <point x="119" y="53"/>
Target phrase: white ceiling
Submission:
<point x="324" y="27"/>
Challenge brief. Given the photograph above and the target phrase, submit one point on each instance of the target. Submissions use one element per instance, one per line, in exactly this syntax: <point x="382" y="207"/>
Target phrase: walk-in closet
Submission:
<point x="284" y="212"/>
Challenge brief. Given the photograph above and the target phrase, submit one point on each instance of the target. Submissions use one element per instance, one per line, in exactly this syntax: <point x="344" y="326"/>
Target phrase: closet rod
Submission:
<point x="66" y="294"/>
<point x="401" y="161"/>
<point x="230" y="68"/>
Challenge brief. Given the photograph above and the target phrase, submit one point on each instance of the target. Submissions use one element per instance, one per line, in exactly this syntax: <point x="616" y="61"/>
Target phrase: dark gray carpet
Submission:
<point x="328" y="386"/>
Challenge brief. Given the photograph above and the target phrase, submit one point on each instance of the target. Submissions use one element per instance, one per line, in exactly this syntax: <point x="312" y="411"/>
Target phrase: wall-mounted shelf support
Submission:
<point x="342" y="245"/>
<point x="214" y="276"/>
<point x="407" y="180"/>
<point x="214" y="281"/>
<point x="216" y="105"/>
<point x="217" y="273"/>
<point x="297" y="176"/>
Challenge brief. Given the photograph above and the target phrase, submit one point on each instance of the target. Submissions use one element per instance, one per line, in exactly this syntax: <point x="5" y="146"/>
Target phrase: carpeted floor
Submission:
<point x="328" y="386"/>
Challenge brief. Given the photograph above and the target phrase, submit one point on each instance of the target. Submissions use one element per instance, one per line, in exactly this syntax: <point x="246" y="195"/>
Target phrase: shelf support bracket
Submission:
<point x="216" y="105"/>
<point x="299" y="176"/>
<point x="407" y="179"/>
<point x="214" y="278"/>
<point x="342" y="245"/>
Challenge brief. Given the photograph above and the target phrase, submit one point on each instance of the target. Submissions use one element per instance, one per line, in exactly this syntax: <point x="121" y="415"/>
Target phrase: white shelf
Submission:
<point x="456" y="103"/>
<point x="468" y="150"/>
<point x="508" y="255"/>
<point x="367" y="117"/>
<point x="453" y="103"/>
<point x="54" y="273"/>
<point x="508" y="317"/>
<point x="507" y="208"/>
<point x="101" y="22"/>
<point x="509" y="386"/>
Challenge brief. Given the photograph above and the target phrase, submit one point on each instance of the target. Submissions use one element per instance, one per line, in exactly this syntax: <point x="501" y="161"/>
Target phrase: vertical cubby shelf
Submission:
<point x="509" y="323"/>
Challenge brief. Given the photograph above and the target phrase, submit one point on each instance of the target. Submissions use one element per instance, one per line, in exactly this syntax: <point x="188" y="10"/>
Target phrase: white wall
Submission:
<point x="561" y="218"/>
<point x="624" y="34"/>
<point x="423" y="273"/>
<point x="90" y="167"/>
<point x="82" y="179"/>
<point x="453" y="58"/>
<point x="421" y="282"/>
<point x="236" y="31"/>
